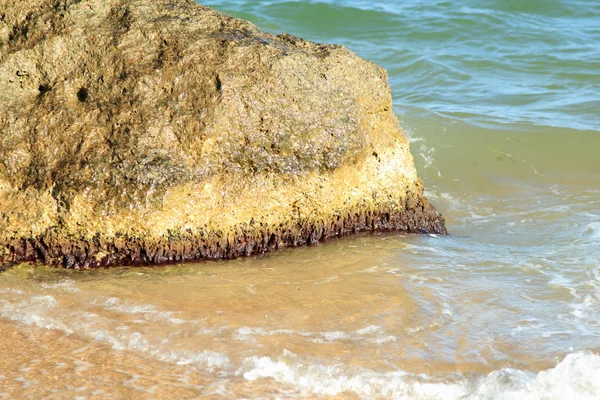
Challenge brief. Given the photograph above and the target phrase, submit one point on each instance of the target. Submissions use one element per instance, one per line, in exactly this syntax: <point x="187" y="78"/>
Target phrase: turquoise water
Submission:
<point x="501" y="103"/>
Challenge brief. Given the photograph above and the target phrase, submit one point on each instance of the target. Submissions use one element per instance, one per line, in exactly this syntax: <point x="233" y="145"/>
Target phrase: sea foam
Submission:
<point x="576" y="377"/>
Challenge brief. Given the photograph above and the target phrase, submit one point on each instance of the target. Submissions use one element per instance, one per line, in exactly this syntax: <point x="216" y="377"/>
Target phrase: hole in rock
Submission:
<point x="43" y="89"/>
<point x="82" y="94"/>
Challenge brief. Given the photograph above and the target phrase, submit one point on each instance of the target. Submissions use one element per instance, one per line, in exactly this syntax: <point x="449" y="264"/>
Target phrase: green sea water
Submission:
<point x="500" y="100"/>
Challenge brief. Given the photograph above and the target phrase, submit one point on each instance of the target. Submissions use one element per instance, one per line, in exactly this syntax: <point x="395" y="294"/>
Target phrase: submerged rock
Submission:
<point x="150" y="131"/>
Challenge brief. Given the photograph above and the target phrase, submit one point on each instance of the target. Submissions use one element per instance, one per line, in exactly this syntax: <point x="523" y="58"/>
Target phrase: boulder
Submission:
<point x="152" y="131"/>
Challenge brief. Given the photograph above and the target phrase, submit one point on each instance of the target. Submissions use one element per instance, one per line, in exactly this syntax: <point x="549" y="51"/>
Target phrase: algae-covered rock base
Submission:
<point x="152" y="131"/>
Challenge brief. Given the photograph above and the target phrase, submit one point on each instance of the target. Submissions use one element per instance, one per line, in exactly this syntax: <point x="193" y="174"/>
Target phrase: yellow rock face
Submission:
<point x="149" y="131"/>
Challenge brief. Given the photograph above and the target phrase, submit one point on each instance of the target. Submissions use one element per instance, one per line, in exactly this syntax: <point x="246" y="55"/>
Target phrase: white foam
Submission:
<point x="148" y="311"/>
<point x="372" y="334"/>
<point x="210" y="360"/>
<point x="335" y="379"/>
<point x="577" y="377"/>
<point x="33" y="312"/>
<point x="68" y="285"/>
<point x="11" y="291"/>
<point x="593" y="229"/>
<point x="45" y="311"/>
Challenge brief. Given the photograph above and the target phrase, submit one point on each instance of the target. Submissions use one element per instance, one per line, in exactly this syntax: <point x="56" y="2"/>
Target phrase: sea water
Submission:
<point x="501" y="102"/>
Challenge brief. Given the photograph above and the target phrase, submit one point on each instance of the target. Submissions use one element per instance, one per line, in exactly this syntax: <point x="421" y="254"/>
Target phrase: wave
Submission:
<point x="248" y="359"/>
<point x="575" y="377"/>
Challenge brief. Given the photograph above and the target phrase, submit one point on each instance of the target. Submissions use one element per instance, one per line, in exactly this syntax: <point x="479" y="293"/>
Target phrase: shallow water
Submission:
<point x="500" y="101"/>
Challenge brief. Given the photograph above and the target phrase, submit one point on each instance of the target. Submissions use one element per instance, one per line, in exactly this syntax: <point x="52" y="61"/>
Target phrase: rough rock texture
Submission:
<point x="149" y="131"/>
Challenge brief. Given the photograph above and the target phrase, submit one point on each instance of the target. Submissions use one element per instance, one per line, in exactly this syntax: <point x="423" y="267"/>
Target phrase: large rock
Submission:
<point x="147" y="131"/>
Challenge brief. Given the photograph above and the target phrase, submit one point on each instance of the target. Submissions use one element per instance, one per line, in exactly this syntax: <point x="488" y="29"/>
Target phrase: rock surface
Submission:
<point x="150" y="131"/>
